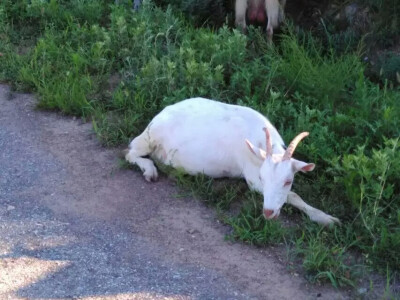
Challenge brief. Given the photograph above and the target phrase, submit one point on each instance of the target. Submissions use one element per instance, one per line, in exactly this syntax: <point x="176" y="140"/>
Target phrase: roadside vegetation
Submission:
<point x="118" y="68"/>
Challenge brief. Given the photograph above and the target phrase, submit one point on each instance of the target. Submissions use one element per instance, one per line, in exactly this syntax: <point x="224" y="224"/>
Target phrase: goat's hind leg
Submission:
<point x="140" y="146"/>
<point x="240" y="14"/>
<point x="315" y="215"/>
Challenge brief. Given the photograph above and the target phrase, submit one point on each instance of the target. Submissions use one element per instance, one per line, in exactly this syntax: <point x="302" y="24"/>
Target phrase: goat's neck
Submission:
<point x="251" y="172"/>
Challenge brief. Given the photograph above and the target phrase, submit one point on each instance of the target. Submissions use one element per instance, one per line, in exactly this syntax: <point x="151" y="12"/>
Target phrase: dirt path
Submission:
<point x="75" y="226"/>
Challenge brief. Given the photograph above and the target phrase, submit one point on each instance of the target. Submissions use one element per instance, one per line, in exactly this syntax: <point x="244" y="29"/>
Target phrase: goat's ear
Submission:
<point x="259" y="153"/>
<point x="302" y="166"/>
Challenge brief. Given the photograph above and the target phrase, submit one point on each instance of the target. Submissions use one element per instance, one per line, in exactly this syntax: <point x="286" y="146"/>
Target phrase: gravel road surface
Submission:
<point x="73" y="225"/>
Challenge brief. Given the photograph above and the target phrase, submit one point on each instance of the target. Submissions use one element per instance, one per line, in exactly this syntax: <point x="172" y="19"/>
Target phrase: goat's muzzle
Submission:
<point x="269" y="214"/>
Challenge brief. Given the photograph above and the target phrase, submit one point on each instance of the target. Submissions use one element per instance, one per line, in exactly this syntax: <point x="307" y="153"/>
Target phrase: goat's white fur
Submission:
<point x="206" y="136"/>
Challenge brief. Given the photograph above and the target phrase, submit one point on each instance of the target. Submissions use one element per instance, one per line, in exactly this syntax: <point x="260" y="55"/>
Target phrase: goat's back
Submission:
<point x="206" y="136"/>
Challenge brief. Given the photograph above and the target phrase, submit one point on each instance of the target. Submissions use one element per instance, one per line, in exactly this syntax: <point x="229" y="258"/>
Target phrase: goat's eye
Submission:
<point x="287" y="183"/>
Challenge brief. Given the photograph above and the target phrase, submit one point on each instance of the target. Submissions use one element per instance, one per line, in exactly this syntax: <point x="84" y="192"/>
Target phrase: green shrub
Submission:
<point x="326" y="78"/>
<point x="386" y="20"/>
<point x="211" y="12"/>
<point x="389" y="67"/>
<point x="371" y="185"/>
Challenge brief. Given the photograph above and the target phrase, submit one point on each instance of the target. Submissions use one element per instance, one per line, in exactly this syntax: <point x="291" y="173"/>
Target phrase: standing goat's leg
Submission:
<point x="140" y="146"/>
<point x="282" y="11"/>
<point x="315" y="215"/>
<point x="136" y="5"/>
<point x="273" y="9"/>
<point x="240" y="14"/>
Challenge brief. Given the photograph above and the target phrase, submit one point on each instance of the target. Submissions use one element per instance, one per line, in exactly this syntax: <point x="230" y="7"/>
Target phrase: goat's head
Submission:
<point x="277" y="173"/>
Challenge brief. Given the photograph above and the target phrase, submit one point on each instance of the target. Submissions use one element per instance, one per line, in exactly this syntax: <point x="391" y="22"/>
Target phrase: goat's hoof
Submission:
<point x="332" y="220"/>
<point x="325" y="219"/>
<point x="151" y="175"/>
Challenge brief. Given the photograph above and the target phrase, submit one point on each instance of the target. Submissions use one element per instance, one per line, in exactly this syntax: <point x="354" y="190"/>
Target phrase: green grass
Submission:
<point x="251" y="227"/>
<point x="68" y="52"/>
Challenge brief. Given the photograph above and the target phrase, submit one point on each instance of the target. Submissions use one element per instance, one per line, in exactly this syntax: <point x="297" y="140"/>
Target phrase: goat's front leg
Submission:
<point x="315" y="215"/>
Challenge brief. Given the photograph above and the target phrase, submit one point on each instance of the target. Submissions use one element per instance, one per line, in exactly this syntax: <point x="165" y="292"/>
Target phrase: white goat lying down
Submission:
<point x="223" y="140"/>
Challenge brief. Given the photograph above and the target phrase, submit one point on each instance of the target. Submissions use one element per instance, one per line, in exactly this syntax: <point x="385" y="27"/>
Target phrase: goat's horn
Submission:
<point x="292" y="146"/>
<point x="268" y="142"/>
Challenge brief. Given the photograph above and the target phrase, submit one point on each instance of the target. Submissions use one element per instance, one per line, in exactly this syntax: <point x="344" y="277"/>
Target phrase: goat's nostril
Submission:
<point x="268" y="213"/>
